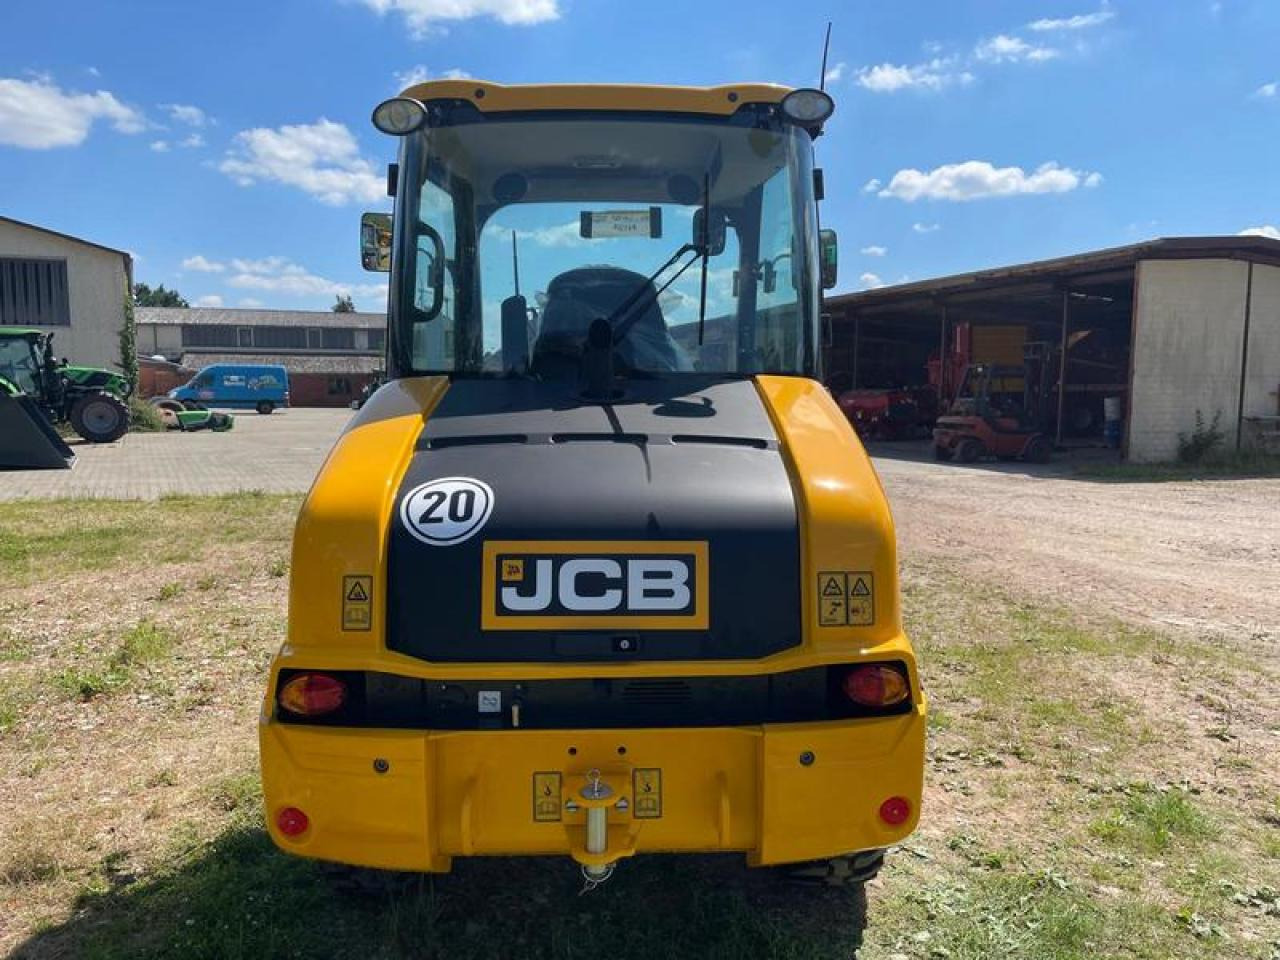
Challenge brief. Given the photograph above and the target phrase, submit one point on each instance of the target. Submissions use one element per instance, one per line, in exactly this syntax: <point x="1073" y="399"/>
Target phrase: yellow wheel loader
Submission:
<point x="602" y="569"/>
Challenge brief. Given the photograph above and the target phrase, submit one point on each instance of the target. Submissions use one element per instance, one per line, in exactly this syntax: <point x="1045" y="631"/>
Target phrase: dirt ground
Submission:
<point x="1200" y="556"/>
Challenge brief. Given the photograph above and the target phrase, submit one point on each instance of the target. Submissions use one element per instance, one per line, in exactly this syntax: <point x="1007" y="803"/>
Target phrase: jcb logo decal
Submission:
<point x="595" y="585"/>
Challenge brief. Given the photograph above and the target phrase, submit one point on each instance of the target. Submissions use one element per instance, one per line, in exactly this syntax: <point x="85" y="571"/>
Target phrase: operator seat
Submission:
<point x="577" y="297"/>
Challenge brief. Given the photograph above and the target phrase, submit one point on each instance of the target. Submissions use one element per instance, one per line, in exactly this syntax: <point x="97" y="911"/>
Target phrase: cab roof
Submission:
<point x="20" y="332"/>
<point x="497" y="97"/>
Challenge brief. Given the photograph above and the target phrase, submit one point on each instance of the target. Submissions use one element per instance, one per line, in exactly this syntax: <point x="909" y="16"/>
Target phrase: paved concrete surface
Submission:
<point x="280" y="453"/>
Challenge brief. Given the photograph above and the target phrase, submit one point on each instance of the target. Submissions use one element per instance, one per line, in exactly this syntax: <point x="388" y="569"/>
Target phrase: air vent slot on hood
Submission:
<point x="441" y="443"/>
<point x="757" y="443"/>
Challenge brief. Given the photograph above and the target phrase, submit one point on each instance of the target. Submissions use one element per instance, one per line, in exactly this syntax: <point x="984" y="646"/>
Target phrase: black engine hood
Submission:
<point x="685" y="461"/>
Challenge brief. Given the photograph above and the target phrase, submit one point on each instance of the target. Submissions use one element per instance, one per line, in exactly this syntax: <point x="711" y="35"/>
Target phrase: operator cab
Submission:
<point x="687" y="237"/>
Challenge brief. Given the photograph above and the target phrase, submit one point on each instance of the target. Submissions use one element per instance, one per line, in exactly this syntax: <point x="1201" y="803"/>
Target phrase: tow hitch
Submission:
<point x="596" y="845"/>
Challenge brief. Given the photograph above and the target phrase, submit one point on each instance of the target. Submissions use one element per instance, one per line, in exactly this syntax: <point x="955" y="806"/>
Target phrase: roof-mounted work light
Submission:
<point x="807" y="107"/>
<point x="399" y="116"/>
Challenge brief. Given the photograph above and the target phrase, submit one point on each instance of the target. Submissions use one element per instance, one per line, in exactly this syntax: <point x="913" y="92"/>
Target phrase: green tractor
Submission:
<point x="37" y="391"/>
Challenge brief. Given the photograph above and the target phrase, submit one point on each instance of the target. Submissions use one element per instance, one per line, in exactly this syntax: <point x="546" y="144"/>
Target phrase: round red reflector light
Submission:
<point x="895" y="811"/>
<point x="313" y="694"/>
<point x="874" y="685"/>
<point x="292" y="822"/>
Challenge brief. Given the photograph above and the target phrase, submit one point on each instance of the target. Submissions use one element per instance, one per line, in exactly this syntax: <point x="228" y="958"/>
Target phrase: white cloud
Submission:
<point x="412" y="77"/>
<point x="425" y="15"/>
<point x="872" y="186"/>
<point x="1003" y="48"/>
<point x="926" y="227"/>
<point x="194" y="140"/>
<point x="931" y="76"/>
<point x="160" y="146"/>
<point x="1267" y="91"/>
<point x="202" y="264"/>
<point x="280" y="275"/>
<point x="561" y="235"/>
<point x="870" y="281"/>
<point x="1079" y="22"/>
<point x="874" y="251"/>
<point x="834" y="74"/>
<point x="321" y="159"/>
<point x="186" y="113"/>
<point x="420" y="74"/>
<point x="38" y="115"/>
<point x="209" y="300"/>
<point x="250" y="303"/>
<point x="93" y="71"/>
<point x="1267" y="230"/>
<point x="978" y="179"/>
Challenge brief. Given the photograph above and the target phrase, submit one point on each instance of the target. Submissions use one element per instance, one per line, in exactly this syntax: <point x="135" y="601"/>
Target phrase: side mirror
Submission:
<point x="430" y="266"/>
<point x="769" y="276"/>
<point x="828" y="258"/>
<point x="515" y="334"/>
<point x="375" y="242"/>
<point x="716" y="231"/>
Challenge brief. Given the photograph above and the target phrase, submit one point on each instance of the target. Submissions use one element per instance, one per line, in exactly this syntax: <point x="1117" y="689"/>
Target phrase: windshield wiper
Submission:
<point x="701" y="249"/>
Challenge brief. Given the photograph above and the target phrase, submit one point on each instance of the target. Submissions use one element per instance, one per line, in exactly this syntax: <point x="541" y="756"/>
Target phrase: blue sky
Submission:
<point x="227" y="145"/>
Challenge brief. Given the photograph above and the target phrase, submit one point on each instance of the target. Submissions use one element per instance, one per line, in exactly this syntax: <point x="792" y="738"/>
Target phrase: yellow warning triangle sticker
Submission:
<point x="860" y="589"/>
<point x="356" y="594"/>
<point x="831" y="586"/>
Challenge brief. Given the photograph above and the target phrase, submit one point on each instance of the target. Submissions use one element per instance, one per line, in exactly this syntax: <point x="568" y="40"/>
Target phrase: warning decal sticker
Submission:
<point x="357" y="602"/>
<point x="832" y="610"/>
<point x="846" y="598"/>
<point x="546" y="797"/>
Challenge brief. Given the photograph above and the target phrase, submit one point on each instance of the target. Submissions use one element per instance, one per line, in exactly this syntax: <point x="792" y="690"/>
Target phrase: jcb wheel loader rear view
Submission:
<point x="602" y="569"/>
<point x="37" y="391"/>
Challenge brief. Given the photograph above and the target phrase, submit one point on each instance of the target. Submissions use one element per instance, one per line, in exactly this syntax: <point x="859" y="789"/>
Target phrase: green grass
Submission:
<point x="238" y="898"/>
<point x="1223" y="466"/>
<point x="1151" y="822"/>
<point x="1043" y="836"/>
<point x="84" y="536"/>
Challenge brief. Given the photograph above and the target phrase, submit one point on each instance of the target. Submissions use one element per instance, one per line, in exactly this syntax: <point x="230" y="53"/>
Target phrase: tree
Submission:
<point x="344" y="304"/>
<point x="145" y="296"/>
<point x="129" y="343"/>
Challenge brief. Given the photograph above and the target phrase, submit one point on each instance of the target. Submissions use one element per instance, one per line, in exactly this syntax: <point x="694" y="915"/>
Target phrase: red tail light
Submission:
<point x="313" y="694"/>
<point x="292" y="822"/>
<point x="875" y="685"/>
<point x="895" y="811"/>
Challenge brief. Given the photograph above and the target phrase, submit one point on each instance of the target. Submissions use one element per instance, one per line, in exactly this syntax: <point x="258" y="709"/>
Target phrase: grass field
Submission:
<point x="1094" y="789"/>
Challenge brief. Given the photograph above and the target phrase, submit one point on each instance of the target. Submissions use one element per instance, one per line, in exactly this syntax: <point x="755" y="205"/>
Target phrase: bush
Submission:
<point x="1202" y="441"/>
<point x="143" y="417"/>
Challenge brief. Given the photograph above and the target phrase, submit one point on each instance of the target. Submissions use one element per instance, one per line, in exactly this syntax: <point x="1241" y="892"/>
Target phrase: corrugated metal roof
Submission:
<point x="226" y="317"/>
<point x="1065" y="270"/>
<point x="291" y="362"/>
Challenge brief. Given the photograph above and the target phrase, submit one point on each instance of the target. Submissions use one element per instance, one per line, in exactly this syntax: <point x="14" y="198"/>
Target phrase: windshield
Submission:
<point x="19" y="364"/>
<point x="578" y="217"/>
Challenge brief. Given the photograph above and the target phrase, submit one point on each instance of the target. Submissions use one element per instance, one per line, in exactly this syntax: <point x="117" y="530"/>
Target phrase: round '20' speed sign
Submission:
<point x="447" y="511"/>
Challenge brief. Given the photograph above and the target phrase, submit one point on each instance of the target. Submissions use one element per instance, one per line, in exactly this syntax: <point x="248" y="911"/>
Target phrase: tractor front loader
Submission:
<point x="37" y="391"/>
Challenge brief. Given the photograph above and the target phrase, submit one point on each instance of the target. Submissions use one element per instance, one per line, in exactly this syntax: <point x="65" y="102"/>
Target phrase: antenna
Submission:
<point x="826" y="46"/>
<point x="515" y="262"/>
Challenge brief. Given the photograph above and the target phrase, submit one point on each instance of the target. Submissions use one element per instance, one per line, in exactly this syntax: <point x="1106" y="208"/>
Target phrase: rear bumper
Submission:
<point x="475" y="793"/>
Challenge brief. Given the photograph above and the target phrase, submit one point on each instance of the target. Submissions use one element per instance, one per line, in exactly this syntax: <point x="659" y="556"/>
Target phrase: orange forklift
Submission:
<point x="996" y="413"/>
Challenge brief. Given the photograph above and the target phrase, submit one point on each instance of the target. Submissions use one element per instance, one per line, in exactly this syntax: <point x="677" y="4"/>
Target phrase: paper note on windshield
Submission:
<point x="622" y="223"/>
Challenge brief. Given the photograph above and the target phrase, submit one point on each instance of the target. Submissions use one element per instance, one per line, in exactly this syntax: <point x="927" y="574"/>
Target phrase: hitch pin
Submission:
<point x="597" y="830"/>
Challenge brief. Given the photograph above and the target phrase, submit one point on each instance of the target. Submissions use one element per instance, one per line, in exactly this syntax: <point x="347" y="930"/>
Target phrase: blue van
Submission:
<point x="237" y="386"/>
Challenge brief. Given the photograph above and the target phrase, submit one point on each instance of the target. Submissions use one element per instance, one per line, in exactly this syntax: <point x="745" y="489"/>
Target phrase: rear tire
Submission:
<point x="265" y="407"/>
<point x="99" y="418"/>
<point x="968" y="450"/>
<point x="1039" y="450"/>
<point x="852" y="870"/>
